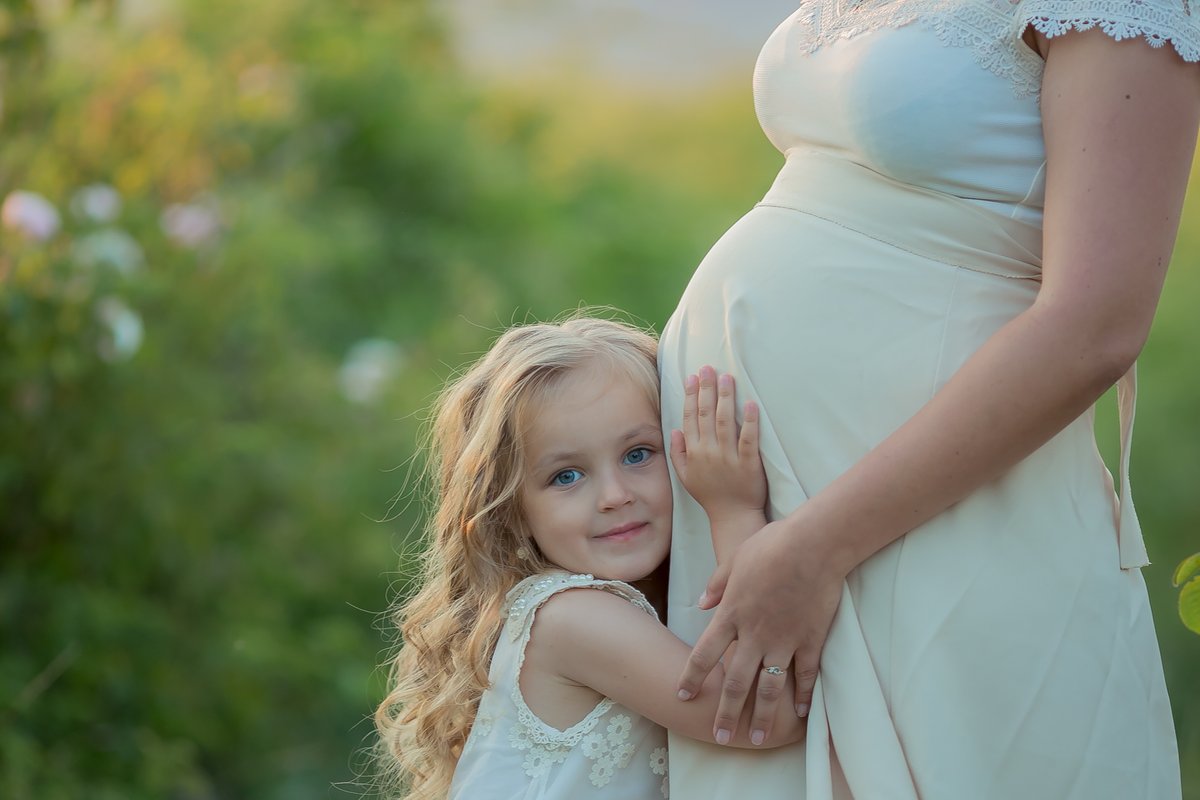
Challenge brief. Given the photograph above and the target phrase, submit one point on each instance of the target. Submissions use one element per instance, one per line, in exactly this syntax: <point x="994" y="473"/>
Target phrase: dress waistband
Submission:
<point x="922" y="221"/>
<point x="952" y="231"/>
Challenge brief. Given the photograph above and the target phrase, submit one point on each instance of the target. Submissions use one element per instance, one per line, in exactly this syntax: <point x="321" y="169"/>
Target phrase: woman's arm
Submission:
<point x="596" y="639"/>
<point x="1120" y="122"/>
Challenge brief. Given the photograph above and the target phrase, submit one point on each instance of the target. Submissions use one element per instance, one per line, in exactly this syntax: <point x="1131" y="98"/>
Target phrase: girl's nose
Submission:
<point x="615" y="492"/>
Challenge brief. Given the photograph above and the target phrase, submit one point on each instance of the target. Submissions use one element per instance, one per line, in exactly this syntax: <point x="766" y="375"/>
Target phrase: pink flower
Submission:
<point x="190" y="224"/>
<point x="31" y="214"/>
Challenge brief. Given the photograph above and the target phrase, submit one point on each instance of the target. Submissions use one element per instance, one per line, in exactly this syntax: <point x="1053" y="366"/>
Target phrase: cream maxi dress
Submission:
<point x="1004" y="649"/>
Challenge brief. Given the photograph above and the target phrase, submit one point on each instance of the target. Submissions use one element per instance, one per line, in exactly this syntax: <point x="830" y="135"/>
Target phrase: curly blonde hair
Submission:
<point x="449" y="628"/>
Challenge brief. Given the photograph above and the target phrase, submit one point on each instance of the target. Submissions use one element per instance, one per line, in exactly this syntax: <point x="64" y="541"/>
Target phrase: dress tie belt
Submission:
<point x="1129" y="530"/>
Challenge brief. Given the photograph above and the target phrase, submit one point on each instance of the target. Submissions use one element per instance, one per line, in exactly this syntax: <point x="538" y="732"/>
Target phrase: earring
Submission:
<point x="523" y="553"/>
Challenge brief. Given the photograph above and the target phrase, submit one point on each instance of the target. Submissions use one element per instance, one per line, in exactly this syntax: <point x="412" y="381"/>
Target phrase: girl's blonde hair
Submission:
<point x="480" y="546"/>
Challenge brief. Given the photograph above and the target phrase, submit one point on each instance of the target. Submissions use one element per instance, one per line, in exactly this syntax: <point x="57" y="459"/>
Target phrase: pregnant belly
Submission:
<point x="826" y="324"/>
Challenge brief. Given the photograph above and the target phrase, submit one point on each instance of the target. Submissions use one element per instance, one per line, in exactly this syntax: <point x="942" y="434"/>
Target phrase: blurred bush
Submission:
<point x="240" y="246"/>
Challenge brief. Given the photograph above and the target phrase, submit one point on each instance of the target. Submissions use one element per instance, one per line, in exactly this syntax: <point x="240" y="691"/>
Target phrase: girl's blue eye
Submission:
<point x="566" y="477"/>
<point x="637" y="455"/>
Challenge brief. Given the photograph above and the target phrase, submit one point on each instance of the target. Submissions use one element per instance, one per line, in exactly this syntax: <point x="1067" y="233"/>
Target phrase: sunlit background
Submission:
<point x="241" y="245"/>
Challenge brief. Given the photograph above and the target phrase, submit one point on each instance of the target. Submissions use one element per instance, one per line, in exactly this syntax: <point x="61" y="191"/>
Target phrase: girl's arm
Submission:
<point x="718" y="464"/>
<point x="1120" y="122"/>
<point x="596" y="639"/>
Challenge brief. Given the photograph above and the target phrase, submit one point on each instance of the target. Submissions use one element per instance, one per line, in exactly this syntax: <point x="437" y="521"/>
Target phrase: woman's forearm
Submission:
<point x="1028" y="382"/>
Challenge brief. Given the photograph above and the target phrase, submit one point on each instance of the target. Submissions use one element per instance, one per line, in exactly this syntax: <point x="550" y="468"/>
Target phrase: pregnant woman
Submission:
<point x="964" y="249"/>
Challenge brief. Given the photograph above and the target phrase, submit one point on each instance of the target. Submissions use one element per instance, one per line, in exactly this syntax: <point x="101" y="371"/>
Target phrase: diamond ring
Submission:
<point x="774" y="670"/>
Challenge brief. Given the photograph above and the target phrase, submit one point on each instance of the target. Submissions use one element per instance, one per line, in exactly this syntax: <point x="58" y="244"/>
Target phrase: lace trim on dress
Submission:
<point x="993" y="28"/>
<point x="1156" y="21"/>
<point x="520" y="604"/>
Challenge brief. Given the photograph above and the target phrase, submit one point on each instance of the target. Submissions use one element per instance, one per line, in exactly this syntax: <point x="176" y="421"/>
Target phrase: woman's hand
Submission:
<point x="778" y="605"/>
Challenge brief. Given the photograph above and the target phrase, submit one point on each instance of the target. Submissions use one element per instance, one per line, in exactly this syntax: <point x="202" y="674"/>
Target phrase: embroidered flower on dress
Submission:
<point x="611" y="750"/>
<point x="540" y="756"/>
<point x="594" y="745"/>
<point x="658" y="765"/>
<point x="483" y="724"/>
<point x="619" y="728"/>
<point x="658" y="761"/>
<point x="602" y="772"/>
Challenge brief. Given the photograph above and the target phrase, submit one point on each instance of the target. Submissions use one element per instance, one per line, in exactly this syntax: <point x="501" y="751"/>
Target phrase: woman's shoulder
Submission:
<point x="1158" y="22"/>
<point x="995" y="29"/>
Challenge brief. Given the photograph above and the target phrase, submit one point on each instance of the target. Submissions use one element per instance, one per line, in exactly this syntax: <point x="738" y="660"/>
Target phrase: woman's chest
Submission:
<point x="927" y="91"/>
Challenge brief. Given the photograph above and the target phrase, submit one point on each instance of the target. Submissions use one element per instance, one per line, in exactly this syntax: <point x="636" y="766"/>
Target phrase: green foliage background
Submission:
<point x="192" y="557"/>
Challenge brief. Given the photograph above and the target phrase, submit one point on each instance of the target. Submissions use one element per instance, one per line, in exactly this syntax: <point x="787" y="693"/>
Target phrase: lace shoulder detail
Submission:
<point x="523" y="599"/>
<point x="992" y="29"/>
<point x="1156" y="21"/>
<point x="543" y="744"/>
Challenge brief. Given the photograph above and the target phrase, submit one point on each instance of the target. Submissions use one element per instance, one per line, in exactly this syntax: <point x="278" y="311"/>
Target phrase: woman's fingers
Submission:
<point x="740" y="673"/>
<point x="772" y="685"/>
<point x="807" y="666"/>
<point x="715" y="589"/>
<point x="709" y="648"/>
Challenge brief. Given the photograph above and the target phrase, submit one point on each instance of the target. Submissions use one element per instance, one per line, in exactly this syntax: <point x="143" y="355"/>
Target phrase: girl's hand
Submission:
<point x="778" y="604"/>
<point x="719" y="465"/>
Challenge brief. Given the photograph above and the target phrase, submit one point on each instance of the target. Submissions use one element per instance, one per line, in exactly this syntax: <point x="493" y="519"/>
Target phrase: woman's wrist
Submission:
<point x="820" y="542"/>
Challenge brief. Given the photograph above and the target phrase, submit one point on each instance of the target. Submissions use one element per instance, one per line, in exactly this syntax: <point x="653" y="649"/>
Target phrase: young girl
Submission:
<point x="552" y="525"/>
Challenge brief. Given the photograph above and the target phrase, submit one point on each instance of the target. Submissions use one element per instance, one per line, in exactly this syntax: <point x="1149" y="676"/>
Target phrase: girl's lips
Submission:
<point x="623" y="532"/>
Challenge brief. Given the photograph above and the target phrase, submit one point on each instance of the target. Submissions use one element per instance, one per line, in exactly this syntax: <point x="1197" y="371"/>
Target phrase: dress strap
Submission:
<point x="527" y="596"/>
<point x="1129" y="531"/>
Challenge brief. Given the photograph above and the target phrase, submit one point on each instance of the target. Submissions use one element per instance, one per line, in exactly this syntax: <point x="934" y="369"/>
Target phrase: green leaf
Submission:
<point x="1189" y="605"/>
<point x="1186" y="569"/>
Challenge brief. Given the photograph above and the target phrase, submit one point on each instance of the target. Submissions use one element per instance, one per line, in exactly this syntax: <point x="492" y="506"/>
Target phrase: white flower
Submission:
<point x="368" y="367"/>
<point x="658" y="761"/>
<point x="594" y="745"/>
<point x="537" y="762"/>
<point x="518" y="737"/>
<point x="124" y="329"/>
<point x="619" y="728"/>
<point x="190" y="224"/>
<point x="109" y="247"/>
<point x="602" y="772"/>
<point x="623" y="754"/>
<point x="98" y="202"/>
<point x="31" y="214"/>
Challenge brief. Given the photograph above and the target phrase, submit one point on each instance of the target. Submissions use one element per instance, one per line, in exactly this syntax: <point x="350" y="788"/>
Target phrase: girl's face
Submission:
<point x="596" y="493"/>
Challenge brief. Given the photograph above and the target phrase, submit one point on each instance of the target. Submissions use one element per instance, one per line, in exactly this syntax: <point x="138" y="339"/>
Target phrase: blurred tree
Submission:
<point x="238" y="242"/>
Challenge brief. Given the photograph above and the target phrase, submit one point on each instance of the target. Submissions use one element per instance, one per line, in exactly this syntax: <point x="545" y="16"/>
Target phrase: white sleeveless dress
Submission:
<point x="1005" y="649"/>
<point x="511" y="754"/>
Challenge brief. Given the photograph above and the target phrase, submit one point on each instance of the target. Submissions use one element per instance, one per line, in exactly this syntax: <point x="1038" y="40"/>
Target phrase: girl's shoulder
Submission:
<point x="524" y="599"/>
